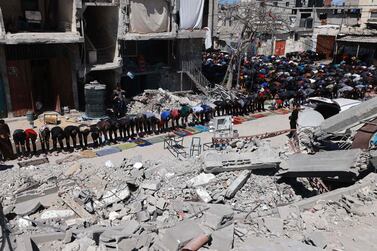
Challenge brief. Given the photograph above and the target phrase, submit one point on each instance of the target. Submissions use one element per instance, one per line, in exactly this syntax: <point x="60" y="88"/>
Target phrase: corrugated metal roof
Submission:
<point x="359" y="39"/>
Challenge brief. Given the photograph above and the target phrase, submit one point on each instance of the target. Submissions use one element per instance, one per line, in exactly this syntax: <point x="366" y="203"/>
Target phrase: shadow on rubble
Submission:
<point x="5" y="241"/>
<point x="298" y="187"/>
<point x="5" y="167"/>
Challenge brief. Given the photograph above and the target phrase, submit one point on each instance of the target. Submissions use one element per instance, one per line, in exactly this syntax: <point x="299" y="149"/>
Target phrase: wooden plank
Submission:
<point x="78" y="209"/>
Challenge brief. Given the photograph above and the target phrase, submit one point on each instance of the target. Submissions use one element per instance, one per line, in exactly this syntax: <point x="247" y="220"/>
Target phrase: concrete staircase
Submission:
<point x="196" y="75"/>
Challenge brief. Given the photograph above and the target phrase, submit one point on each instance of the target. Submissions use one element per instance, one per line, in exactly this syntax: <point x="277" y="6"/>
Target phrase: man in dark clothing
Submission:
<point x="71" y="132"/>
<point x="19" y="138"/>
<point x="6" y="149"/>
<point x="119" y="101"/>
<point x="293" y="120"/>
<point x="57" y="135"/>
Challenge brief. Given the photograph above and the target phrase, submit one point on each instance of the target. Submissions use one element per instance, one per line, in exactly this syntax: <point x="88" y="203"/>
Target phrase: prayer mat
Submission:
<point x="201" y="128"/>
<point x="193" y="130"/>
<point x="107" y="151"/>
<point x="180" y="133"/>
<point x="126" y="146"/>
<point x="258" y="116"/>
<point x="156" y="140"/>
<point x="141" y="142"/>
<point x="88" y="154"/>
<point x="188" y="133"/>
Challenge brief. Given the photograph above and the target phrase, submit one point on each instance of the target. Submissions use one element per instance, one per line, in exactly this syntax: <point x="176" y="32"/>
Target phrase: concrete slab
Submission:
<point x="369" y="181"/>
<point x="153" y="185"/>
<point x="237" y="184"/>
<point x="279" y="244"/>
<point x="215" y="162"/>
<point x="113" y="196"/>
<point x="350" y="117"/>
<point x="222" y="239"/>
<point x="322" y="164"/>
<point x="179" y="235"/>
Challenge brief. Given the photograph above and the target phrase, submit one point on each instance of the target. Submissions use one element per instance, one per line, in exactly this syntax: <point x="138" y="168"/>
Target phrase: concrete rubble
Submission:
<point x="249" y="196"/>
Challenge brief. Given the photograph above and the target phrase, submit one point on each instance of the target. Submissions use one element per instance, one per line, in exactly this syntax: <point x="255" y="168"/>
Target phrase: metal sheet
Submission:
<point x="364" y="135"/>
<point x="325" y="45"/>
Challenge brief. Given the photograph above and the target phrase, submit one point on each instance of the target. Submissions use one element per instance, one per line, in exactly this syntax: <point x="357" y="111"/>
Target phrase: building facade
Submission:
<point x="50" y="49"/>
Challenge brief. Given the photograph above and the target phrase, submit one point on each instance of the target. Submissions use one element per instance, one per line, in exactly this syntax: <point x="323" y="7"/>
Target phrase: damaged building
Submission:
<point x="162" y="41"/>
<point x="54" y="47"/>
<point x="39" y="54"/>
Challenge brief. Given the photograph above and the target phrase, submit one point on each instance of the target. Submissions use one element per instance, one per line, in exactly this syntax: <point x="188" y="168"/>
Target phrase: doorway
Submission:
<point x="41" y="83"/>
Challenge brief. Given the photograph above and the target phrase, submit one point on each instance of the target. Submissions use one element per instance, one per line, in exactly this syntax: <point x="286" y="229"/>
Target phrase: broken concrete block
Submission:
<point x="161" y="203"/>
<point x="112" y="196"/>
<point x="51" y="214"/>
<point x="222" y="239"/>
<point x="27" y="207"/>
<point x="237" y="184"/>
<point x="136" y="207"/>
<point x="74" y="246"/>
<point x="68" y="237"/>
<point x="274" y="225"/>
<point x="120" y="232"/>
<point x="176" y="237"/>
<point x="152" y="200"/>
<point x="143" y="216"/>
<point x="217" y="216"/>
<point x="138" y="165"/>
<point x="203" y="195"/>
<point x="151" y="209"/>
<point x="75" y="168"/>
<point x="288" y="212"/>
<point x="24" y="222"/>
<point x="201" y="179"/>
<point x="317" y="239"/>
<point x="153" y="185"/>
<point x="113" y="215"/>
<point x="127" y="244"/>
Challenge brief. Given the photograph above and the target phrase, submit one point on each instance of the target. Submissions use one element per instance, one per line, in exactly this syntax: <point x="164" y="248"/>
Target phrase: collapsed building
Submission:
<point x="51" y="49"/>
<point x="250" y="195"/>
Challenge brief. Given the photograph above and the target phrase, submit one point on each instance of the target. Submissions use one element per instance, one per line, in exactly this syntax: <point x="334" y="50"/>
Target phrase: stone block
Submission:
<point x="237" y="184"/>
<point x="203" y="195"/>
<point x="153" y="185"/>
<point x="176" y="237"/>
<point x="201" y="179"/>
<point x="222" y="239"/>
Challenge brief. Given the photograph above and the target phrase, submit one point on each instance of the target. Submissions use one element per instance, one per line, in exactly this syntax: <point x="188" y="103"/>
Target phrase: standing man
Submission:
<point x="119" y="101"/>
<point x="5" y="145"/>
<point x="293" y="120"/>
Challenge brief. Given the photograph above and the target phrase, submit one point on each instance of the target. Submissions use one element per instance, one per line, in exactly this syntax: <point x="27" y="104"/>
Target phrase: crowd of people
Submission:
<point x="288" y="81"/>
<point x="297" y="76"/>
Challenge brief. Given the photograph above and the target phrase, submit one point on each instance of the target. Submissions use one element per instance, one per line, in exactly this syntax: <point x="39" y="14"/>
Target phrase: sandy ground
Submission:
<point x="157" y="152"/>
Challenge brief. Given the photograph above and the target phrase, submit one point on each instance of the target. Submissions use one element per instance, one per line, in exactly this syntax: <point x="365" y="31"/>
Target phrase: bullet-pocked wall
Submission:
<point x="37" y="15"/>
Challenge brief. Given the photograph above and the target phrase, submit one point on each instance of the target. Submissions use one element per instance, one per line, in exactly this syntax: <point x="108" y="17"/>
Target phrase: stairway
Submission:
<point x="196" y="75"/>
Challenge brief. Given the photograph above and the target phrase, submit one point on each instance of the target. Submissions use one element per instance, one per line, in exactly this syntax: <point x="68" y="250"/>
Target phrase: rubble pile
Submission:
<point x="137" y="205"/>
<point x="158" y="100"/>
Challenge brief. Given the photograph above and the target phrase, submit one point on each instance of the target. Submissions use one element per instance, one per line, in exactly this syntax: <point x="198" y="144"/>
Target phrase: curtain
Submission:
<point x="191" y="14"/>
<point x="148" y="16"/>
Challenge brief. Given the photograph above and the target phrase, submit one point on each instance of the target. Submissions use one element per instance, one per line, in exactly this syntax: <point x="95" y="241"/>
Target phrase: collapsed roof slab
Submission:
<point x="350" y="117"/>
<point x="323" y="164"/>
<point x="335" y="195"/>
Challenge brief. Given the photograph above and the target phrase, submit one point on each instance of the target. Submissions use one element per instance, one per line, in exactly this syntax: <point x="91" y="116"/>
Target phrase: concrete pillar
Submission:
<point x="4" y="75"/>
<point x="75" y="67"/>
